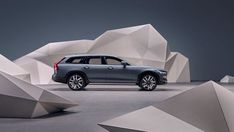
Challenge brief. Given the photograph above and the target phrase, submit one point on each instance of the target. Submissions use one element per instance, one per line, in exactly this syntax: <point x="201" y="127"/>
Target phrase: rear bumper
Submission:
<point x="58" y="78"/>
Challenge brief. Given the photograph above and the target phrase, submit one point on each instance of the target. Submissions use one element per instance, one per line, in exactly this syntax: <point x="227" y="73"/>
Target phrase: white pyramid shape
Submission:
<point x="149" y="119"/>
<point x="11" y="68"/>
<point x="139" y="45"/>
<point x="20" y="99"/>
<point x="227" y="79"/>
<point x="208" y="107"/>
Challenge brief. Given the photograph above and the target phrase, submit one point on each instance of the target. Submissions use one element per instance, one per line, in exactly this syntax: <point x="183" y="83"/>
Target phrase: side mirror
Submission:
<point x="124" y="63"/>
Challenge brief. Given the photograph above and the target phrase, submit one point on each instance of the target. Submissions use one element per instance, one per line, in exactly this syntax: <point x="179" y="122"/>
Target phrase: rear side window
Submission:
<point x="95" y="60"/>
<point x="76" y="60"/>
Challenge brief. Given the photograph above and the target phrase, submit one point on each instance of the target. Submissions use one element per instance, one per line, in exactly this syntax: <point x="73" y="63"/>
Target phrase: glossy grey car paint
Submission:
<point x="105" y="73"/>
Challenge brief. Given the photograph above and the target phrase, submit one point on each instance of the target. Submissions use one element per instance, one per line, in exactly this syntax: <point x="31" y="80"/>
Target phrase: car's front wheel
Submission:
<point x="148" y="82"/>
<point x="76" y="82"/>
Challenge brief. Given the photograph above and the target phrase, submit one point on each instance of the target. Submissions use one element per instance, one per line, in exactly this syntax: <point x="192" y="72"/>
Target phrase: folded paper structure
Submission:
<point x="227" y="79"/>
<point x="208" y="107"/>
<point x="139" y="45"/>
<point x="19" y="99"/>
<point x="149" y="119"/>
<point x="11" y="68"/>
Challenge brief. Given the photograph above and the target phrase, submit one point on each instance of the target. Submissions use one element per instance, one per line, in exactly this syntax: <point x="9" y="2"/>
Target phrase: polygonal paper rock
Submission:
<point x="208" y="107"/>
<point x="11" y="68"/>
<point x="139" y="45"/>
<point x="227" y="79"/>
<point x="54" y="52"/>
<point x="149" y="119"/>
<point x="19" y="99"/>
<point x="199" y="106"/>
<point x="177" y="66"/>
<point x="40" y="73"/>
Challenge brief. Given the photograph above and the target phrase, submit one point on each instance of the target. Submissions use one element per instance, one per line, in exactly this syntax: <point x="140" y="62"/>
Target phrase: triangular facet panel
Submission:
<point x="207" y="107"/>
<point x="21" y="99"/>
<point x="13" y="69"/>
<point x="149" y="119"/>
<point x="199" y="107"/>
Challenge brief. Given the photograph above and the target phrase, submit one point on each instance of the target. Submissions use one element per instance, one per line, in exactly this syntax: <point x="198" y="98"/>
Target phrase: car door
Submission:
<point x="94" y="69"/>
<point x="116" y="72"/>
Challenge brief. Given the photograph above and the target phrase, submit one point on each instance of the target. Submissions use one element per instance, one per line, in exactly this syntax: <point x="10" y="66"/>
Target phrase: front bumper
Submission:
<point x="163" y="80"/>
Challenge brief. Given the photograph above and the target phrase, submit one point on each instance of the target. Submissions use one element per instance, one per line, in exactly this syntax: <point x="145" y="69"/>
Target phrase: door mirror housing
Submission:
<point x="124" y="63"/>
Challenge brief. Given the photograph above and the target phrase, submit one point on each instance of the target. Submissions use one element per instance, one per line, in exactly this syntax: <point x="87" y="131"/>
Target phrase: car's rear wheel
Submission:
<point x="148" y="82"/>
<point x="76" y="82"/>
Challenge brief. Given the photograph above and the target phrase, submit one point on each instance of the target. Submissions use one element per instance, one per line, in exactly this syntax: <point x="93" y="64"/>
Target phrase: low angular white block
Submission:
<point x="227" y="79"/>
<point x="177" y="66"/>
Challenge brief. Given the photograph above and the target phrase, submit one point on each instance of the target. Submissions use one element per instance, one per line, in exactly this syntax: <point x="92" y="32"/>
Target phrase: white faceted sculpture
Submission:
<point x="208" y="107"/>
<point x="139" y="45"/>
<point x="177" y="66"/>
<point x="227" y="79"/>
<point x="11" y="68"/>
<point x="40" y="73"/>
<point x="40" y="62"/>
<point x="19" y="99"/>
<point x="149" y="119"/>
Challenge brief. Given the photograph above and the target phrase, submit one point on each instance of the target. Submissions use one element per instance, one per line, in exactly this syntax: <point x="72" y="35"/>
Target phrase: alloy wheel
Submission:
<point x="148" y="82"/>
<point x="76" y="82"/>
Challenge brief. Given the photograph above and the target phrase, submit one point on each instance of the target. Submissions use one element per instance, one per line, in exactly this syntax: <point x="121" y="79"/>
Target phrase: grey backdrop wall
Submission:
<point x="202" y="30"/>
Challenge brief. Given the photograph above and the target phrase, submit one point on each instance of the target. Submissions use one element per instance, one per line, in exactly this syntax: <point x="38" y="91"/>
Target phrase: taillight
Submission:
<point x="55" y="66"/>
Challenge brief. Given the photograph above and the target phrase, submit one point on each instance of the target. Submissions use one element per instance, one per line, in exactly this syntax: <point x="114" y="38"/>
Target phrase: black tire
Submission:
<point x="76" y="82"/>
<point x="148" y="82"/>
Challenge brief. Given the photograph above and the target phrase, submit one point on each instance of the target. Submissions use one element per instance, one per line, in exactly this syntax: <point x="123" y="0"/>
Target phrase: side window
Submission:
<point x="95" y="60"/>
<point x="75" y="60"/>
<point x="113" y="61"/>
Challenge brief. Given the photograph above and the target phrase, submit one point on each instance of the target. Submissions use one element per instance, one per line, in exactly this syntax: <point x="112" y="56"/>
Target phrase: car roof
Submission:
<point x="82" y="55"/>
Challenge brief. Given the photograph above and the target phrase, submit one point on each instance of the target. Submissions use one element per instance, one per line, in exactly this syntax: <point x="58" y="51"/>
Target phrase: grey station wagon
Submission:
<point x="80" y="70"/>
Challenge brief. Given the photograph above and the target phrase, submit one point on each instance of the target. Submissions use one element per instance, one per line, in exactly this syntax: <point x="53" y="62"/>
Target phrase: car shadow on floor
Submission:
<point x="115" y="89"/>
<point x="56" y="114"/>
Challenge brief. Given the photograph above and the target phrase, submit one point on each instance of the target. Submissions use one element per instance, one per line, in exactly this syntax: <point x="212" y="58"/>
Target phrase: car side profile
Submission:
<point x="80" y="70"/>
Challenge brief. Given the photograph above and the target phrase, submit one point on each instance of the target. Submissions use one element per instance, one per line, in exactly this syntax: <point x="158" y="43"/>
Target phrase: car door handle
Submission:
<point x="110" y="68"/>
<point x="86" y="67"/>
